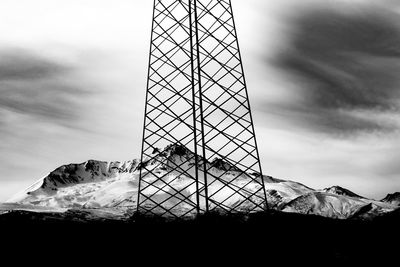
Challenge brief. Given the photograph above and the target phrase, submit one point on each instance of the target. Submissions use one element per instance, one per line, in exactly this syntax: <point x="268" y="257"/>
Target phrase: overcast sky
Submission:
<point x="322" y="78"/>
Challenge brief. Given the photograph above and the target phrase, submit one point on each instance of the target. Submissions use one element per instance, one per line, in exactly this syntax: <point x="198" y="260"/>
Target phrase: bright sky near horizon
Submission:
<point x="322" y="81"/>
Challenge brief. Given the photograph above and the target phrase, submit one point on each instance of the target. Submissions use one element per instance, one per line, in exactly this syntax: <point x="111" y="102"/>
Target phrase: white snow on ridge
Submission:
<point x="72" y="186"/>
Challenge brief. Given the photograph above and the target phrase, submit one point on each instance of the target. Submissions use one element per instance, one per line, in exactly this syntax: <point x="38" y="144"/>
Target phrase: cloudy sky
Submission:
<point x="322" y="78"/>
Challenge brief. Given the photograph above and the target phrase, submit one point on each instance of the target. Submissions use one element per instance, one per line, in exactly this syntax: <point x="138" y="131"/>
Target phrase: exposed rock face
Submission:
<point x="392" y="199"/>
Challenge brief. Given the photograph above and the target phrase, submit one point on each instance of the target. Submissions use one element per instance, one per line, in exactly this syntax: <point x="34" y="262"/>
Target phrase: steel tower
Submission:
<point x="197" y="102"/>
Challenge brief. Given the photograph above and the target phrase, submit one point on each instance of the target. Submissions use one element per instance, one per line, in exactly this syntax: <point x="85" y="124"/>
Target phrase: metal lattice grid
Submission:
<point x="197" y="106"/>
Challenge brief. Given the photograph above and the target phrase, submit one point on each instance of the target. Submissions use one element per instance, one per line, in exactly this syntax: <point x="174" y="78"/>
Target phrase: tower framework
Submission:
<point x="197" y="105"/>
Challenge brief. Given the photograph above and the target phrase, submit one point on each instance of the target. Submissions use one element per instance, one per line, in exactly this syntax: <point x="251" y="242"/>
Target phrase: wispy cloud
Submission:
<point x="38" y="87"/>
<point x="346" y="65"/>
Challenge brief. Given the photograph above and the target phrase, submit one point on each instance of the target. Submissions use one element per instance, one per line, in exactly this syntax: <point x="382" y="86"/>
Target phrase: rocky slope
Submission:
<point x="392" y="199"/>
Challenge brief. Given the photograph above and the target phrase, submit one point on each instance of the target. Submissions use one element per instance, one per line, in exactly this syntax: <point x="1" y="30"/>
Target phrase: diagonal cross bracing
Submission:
<point x="197" y="107"/>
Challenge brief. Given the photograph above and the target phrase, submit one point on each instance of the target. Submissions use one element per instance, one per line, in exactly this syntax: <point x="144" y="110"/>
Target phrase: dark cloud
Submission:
<point x="344" y="61"/>
<point x="20" y="65"/>
<point x="38" y="87"/>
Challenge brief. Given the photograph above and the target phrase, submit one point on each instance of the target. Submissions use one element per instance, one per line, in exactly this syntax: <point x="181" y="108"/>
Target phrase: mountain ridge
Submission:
<point x="114" y="185"/>
<point x="392" y="198"/>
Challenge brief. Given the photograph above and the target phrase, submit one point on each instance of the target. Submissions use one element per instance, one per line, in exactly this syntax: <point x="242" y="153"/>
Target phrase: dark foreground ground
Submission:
<point x="259" y="240"/>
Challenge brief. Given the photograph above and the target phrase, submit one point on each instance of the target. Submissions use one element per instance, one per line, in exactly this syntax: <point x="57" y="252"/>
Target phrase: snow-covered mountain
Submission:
<point x="392" y="199"/>
<point x="113" y="187"/>
<point x="336" y="206"/>
<point x="337" y="190"/>
<point x="92" y="184"/>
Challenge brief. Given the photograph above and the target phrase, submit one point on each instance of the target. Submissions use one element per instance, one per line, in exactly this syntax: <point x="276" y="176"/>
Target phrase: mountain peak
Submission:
<point x="392" y="198"/>
<point x="220" y="164"/>
<point x="177" y="149"/>
<point x="338" y="190"/>
<point x="179" y="153"/>
<point x="171" y="153"/>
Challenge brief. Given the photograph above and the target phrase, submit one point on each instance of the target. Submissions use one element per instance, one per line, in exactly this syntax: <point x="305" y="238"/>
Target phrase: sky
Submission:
<point x="322" y="80"/>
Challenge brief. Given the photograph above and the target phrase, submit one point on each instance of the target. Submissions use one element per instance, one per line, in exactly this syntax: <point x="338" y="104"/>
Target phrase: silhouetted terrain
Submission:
<point x="271" y="237"/>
